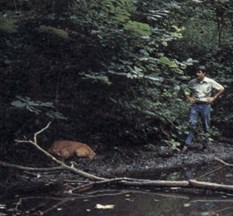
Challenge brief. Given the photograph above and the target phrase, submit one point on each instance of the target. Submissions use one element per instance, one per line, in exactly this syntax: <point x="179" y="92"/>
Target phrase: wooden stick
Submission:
<point x="223" y="162"/>
<point x="4" y="164"/>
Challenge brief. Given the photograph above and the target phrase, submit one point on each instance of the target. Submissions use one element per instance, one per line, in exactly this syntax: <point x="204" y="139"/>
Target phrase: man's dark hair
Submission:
<point x="201" y="68"/>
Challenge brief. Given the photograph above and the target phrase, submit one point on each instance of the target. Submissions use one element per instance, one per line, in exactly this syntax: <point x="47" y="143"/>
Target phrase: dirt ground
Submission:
<point x="135" y="161"/>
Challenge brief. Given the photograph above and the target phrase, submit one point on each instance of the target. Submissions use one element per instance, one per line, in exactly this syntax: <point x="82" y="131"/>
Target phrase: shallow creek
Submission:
<point x="134" y="201"/>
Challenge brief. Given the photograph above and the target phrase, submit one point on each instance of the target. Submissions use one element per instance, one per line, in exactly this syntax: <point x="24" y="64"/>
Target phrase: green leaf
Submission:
<point x="138" y="29"/>
<point x="55" y="31"/>
<point x="8" y="25"/>
<point x="18" y="104"/>
<point x="168" y="62"/>
<point x="96" y="77"/>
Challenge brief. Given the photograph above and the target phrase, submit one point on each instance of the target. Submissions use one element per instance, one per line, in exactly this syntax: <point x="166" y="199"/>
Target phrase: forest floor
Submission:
<point x="139" y="161"/>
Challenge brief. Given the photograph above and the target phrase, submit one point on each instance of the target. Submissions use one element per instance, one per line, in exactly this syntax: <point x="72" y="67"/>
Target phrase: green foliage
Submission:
<point x="37" y="107"/>
<point x="201" y="33"/>
<point x="103" y="11"/>
<point x="119" y="10"/>
<point x="97" y="78"/>
<point x="173" y="144"/>
<point x="118" y="77"/>
<point x="8" y="25"/>
<point x="121" y="49"/>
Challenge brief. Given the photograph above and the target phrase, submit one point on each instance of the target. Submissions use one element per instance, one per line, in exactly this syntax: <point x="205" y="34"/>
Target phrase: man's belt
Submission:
<point x="201" y="102"/>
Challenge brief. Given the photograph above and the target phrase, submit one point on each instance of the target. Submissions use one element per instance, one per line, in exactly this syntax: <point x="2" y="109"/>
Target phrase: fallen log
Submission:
<point x="124" y="181"/>
<point x="192" y="184"/>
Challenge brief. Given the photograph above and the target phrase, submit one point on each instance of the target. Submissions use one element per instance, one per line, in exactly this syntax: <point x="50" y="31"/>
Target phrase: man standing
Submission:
<point x="201" y="92"/>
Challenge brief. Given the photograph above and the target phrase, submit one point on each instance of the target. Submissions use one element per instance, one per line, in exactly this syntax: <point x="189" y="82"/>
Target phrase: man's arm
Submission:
<point x="190" y="99"/>
<point x="216" y="95"/>
<point x="219" y="92"/>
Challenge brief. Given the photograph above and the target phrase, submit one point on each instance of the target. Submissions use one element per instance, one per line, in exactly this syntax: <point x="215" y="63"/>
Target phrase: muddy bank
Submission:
<point x="141" y="161"/>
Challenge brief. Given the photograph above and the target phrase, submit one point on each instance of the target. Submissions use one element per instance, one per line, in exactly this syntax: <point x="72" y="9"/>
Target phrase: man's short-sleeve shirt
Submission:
<point x="201" y="90"/>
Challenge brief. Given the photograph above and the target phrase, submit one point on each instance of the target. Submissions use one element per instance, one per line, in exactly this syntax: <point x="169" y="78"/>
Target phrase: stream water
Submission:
<point x="134" y="201"/>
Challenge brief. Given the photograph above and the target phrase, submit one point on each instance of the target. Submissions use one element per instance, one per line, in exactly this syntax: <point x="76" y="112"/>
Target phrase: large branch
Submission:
<point x="159" y="183"/>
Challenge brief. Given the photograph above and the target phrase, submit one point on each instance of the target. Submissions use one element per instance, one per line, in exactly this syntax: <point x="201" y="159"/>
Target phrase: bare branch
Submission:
<point x="62" y="202"/>
<point x="211" y="172"/>
<point x="4" y="164"/>
<point x="223" y="162"/>
<point x="40" y="131"/>
<point x="210" y="185"/>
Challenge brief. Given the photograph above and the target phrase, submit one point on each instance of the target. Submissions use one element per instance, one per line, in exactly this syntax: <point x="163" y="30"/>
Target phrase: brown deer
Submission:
<point x="66" y="149"/>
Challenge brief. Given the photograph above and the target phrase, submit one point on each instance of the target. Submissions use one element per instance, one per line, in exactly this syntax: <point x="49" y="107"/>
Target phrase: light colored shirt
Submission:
<point x="201" y="90"/>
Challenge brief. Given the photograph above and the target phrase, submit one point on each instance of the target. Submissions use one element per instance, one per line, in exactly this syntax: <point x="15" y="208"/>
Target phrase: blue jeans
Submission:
<point x="202" y="110"/>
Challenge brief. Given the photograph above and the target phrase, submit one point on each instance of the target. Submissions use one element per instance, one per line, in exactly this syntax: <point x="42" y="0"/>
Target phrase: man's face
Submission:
<point x="200" y="75"/>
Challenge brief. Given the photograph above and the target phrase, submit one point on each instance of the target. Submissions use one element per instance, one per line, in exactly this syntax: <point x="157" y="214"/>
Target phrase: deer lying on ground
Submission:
<point x="66" y="149"/>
